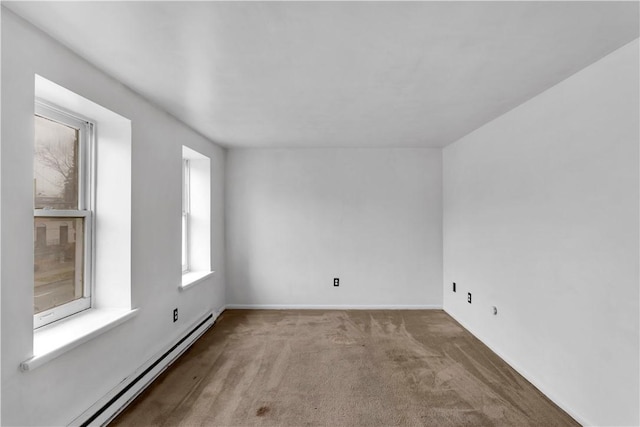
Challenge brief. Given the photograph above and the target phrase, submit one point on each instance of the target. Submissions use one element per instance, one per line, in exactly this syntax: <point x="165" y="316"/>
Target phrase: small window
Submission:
<point x="196" y="218"/>
<point x="185" y="214"/>
<point x="63" y="200"/>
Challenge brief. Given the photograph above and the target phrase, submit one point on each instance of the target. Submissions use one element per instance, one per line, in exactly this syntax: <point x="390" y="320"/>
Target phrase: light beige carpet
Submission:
<point x="340" y="368"/>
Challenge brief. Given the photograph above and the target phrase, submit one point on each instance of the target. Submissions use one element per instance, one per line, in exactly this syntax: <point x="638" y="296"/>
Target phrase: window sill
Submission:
<point x="58" y="338"/>
<point x="193" y="278"/>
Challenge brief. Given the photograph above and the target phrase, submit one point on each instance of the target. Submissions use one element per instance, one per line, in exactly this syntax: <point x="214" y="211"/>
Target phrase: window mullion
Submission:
<point x="53" y="213"/>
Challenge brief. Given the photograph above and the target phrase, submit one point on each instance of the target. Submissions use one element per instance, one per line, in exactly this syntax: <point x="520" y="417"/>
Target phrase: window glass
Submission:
<point x="62" y="223"/>
<point x="185" y="264"/>
<point x="59" y="260"/>
<point x="185" y="215"/>
<point x="55" y="165"/>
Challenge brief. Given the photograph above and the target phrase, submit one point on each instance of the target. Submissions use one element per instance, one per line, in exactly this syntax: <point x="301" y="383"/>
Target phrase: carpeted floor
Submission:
<point x="340" y="368"/>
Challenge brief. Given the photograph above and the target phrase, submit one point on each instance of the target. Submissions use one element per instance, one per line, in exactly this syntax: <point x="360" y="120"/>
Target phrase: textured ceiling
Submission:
<point x="318" y="74"/>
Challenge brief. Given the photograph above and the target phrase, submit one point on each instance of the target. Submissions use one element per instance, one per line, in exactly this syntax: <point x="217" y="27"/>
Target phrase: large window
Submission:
<point x="82" y="221"/>
<point x="63" y="206"/>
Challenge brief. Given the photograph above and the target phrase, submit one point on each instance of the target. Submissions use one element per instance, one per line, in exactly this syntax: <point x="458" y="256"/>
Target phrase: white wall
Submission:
<point x="541" y="220"/>
<point x="57" y="392"/>
<point x="298" y="218"/>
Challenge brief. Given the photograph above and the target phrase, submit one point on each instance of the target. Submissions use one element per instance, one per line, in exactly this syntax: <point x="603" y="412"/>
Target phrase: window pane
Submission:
<point x="185" y="265"/>
<point x="59" y="254"/>
<point x="55" y="165"/>
<point x="185" y="215"/>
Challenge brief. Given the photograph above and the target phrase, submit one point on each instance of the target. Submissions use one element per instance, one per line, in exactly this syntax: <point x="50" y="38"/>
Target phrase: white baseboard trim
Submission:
<point x="532" y="379"/>
<point x="108" y="407"/>
<point x="331" y="307"/>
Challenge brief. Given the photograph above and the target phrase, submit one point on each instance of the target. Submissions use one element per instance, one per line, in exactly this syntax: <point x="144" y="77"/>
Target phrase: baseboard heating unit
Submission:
<point x="107" y="408"/>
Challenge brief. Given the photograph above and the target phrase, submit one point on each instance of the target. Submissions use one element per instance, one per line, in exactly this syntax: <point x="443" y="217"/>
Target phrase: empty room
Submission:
<point x="320" y="213"/>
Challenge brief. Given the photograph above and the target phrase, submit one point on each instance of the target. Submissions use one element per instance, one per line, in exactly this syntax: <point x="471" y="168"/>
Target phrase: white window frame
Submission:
<point x="86" y="207"/>
<point x="186" y="202"/>
<point x="111" y="302"/>
<point x="196" y="205"/>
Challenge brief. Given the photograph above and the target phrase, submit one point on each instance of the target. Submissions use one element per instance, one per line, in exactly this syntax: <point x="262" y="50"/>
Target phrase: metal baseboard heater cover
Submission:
<point x="107" y="407"/>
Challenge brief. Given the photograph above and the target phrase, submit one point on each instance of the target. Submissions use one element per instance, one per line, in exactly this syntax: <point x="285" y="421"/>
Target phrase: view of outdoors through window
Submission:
<point x="58" y="240"/>
<point x="185" y="215"/>
<point x="58" y="261"/>
<point x="56" y="165"/>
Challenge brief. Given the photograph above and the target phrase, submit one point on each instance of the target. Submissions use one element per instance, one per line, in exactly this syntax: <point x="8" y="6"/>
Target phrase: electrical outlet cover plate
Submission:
<point x="175" y="315"/>
<point x="469" y="297"/>
<point x="336" y="282"/>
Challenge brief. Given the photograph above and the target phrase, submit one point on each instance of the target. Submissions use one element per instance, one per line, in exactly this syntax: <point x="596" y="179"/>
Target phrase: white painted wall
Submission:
<point x="541" y="220"/>
<point x="298" y="218"/>
<point x="57" y="392"/>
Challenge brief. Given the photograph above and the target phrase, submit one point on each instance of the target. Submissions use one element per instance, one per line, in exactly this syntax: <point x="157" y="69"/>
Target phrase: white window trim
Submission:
<point x="196" y="198"/>
<point x="86" y="207"/>
<point x="58" y="338"/>
<point x="112" y="273"/>
<point x="193" y="278"/>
